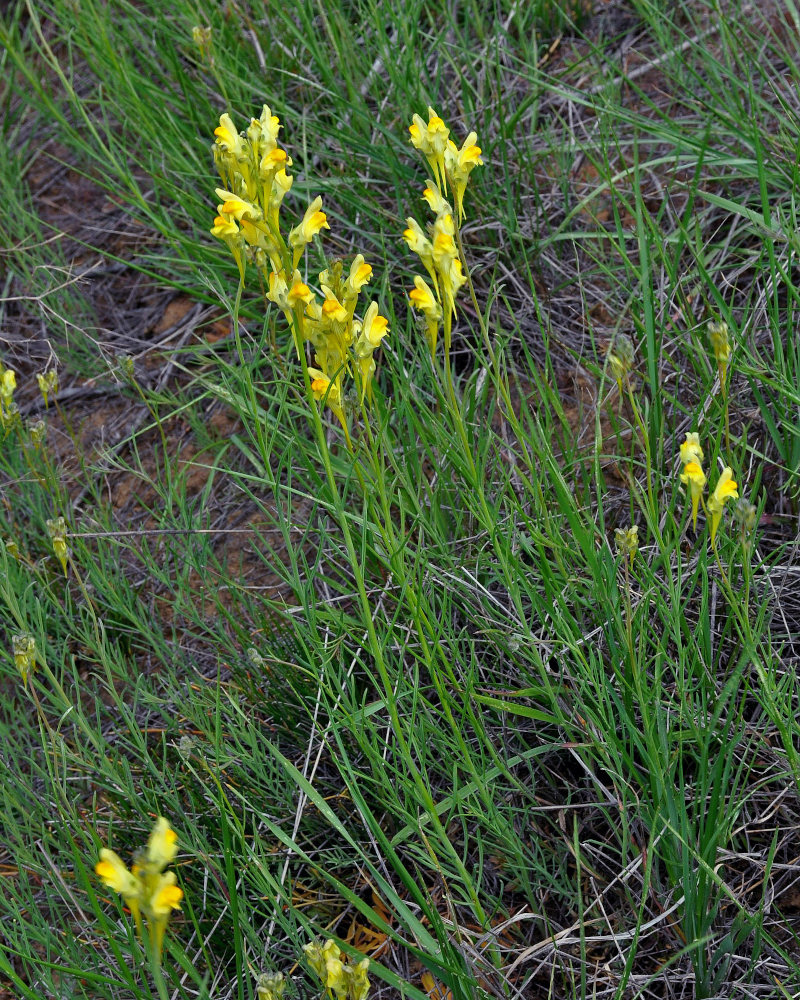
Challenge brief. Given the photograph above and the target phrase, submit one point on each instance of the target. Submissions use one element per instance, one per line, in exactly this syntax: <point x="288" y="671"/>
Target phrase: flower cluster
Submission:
<point x="693" y="476"/>
<point x="146" y="888"/>
<point x="341" y="979"/>
<point x="437" y="248"/>
<point x="253" y="169"/>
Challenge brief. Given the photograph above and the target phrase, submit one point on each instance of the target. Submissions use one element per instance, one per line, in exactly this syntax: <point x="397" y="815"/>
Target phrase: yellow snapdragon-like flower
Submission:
<point x="313" y="221"/>
<point x="166" y="896"/>
<point x="360" y="274"/>
<point x="726" y="489"/>
<point x="436" y="202"/>
<point x="326" y="390"/>
<point x="227" y="138"/>
<point x="459" y="164"/>
<point x="694" y="476"/>
<point x="422" y="298"/>
<point x="115" y="874"/>
<point x="691" y="450"/>
<point x="372" y="331"/>
<point x="162" y="845"/>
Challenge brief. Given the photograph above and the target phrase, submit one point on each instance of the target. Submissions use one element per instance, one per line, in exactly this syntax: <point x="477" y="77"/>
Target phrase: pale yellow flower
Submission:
<point x="422" y="298"/>
<point x="166" y="897"/>
<point x="227" y="138"/>
<point x="360" y="274"/>
<point x="114" y="873"/>
<point x="694" y="476"/>
<point x="726" y="489"/>
<point x="162" y="845"/>
<point x="460" y="163"/>
<point x="691" y="450"/>
<point x="313" y="221"/>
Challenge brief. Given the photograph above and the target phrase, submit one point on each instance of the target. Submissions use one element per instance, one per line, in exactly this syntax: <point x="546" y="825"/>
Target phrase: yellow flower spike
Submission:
<point x="313" y="222"/>
<point x="691" y="450"/>
<point x="459" y="164"/>
<point x="114" y="873"/>
<point x="24" y="650"/>
<point x="726" y="489"/>
<point x="431" y="141"/>
<point x="162" y="845"/>
<point x="694" y="476"/>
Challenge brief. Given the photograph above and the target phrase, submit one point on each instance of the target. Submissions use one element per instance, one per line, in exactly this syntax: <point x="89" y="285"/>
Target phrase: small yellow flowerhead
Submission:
<point x="8" y="383"/>
<point x="726" y="489"/>
<point x="24" y="649"/>
<point x="203" y="38"/>
<point x="691" y="450"/>
<point x="162" y="845"/>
